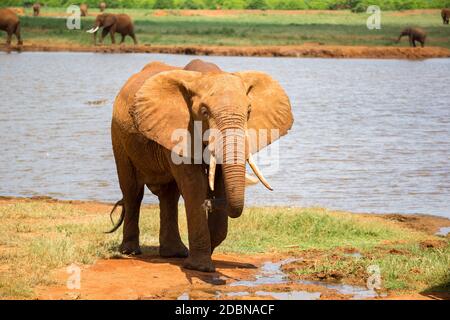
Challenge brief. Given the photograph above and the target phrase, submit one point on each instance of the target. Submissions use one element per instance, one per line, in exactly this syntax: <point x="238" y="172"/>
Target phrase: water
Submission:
<point x="369" y="135"/>
<point x="272" y="274"/>
<point x="444" y="231"/>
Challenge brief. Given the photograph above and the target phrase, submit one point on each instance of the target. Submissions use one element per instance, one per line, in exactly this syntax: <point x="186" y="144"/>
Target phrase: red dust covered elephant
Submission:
<point x="158" y="101"/>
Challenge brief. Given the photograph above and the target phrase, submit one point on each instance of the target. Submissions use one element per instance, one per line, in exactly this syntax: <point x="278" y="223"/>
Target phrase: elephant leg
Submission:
<point x="103" y="35"/>
<point x="17" y="33"/>
<point x="411" y="42"/>
<point x="133" y="192"/>
<point x="112" y="32"/>
<point x="123" y="39"/>
<point x="134" y="38"/>
<point x="218" y="217"/>
<point x="8" y="37"/>
<point x="192" y="183"/>
<point x="132" y="198"/>
<point x="170" y="244"/>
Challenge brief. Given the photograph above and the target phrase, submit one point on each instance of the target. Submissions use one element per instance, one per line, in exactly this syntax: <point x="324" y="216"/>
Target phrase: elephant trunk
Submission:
<point x="233" y="164"/>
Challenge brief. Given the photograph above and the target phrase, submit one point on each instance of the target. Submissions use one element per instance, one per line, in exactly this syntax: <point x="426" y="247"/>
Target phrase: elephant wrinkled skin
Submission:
<point x="160" y="99"/>
<point x="102" y="6"/>
<point x="36" y="9"/>
<point x="9" y="22"/>
<point x="445" y="14"/>
<point x="112" y="23"/>
<point x="414" y="34"/>
<point x="84" y="10"/>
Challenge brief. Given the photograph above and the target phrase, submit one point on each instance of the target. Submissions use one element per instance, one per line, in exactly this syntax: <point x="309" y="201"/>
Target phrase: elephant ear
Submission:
<point x="161" y="108"/>
<point x="109" y="21"/>
<point x="270" y="116"/>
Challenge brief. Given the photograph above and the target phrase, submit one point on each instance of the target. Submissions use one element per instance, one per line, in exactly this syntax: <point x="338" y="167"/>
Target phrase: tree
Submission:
<point x="163" y="4"/>
<point x="256" y="4"/>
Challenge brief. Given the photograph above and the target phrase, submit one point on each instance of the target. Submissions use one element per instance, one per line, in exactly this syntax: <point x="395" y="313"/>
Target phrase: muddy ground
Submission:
<point x="315" y="50"/>
<point x="237" y="276"/>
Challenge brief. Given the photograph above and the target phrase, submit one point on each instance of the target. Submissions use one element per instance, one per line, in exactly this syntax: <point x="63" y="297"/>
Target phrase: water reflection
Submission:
<point x="369" y="135"/>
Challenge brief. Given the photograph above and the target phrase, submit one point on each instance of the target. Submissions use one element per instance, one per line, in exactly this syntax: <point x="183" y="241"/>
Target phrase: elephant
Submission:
<point x="36" y="9"/>
<point x="112" y="23"/>
<point x="414" y="34"/>
<point x="102" y="6"/>
<point x="9" y="22"/>
<point x="161" y="99"/>
<point x="445" y="14"/>
<point x="84" y="9"/>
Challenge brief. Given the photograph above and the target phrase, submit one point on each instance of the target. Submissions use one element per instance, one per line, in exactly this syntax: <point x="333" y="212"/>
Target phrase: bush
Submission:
<point x="163" y="4"/>
<point x="256" y="4"/>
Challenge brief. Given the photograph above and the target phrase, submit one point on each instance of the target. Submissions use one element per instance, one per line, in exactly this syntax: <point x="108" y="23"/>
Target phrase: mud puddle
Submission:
<point x="270" y="282"/>
<point x="271" y="274"/>
<point x="444" y="231"/>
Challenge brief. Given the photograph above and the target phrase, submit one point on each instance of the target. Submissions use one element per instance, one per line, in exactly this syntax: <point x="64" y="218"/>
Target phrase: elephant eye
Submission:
<point x="204" y="111"/>
<point x="249" y="111"/>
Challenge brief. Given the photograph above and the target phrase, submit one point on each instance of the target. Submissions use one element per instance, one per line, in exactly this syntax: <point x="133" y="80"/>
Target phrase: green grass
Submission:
<point x="410" y="267"/>
<point x="39" y="237"/>
<point x="340" y="28"/>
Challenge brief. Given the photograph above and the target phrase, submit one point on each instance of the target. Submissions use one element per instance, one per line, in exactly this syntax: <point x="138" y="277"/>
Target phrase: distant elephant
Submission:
<point x="112" y="23"/>
<point x="445" y="14"/>
<point x="9" y="22"/>
<point x="102" y="6"/>
<point x="84" y="9"/>
<point x="150" y="108"/>
<point x="36" y="9"/>
<point x="414" y="34"/>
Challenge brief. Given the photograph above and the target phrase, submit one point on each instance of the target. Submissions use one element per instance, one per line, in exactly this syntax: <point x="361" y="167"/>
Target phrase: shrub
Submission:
<point x="256" y="4"/>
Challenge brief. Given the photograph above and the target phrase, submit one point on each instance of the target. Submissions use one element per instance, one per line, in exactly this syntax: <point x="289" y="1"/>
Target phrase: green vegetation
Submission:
<point x="409" y="266"/>
<point x="356" y="5"/>
<point x="337" y="28"/>
<point x="38" y="237"/>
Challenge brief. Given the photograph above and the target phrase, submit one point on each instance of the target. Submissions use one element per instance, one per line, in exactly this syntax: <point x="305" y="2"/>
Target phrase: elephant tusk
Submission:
<point x="212" y="171"/>
<point x="258" y="172"/>
<point x="92" y="30"/>
<point x="250" y="179"/>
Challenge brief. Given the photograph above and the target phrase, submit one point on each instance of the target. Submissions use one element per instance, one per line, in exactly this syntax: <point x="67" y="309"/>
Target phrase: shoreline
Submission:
<point x="428" y="223"/>
<point x="311" y="247"/>
<point x="297" y="51"/>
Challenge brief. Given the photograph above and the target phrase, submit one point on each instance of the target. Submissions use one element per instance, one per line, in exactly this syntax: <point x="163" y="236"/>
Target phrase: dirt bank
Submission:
<point x="49" y="229"/>
<point x="306" y="50"/>
<point x="237" y="277"/>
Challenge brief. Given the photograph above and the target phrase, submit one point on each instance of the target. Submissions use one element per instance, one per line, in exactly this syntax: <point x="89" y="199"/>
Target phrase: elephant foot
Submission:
<point x="202" y="264"/>
<point x="130" y="248"/>
<point x="174" y="251"/>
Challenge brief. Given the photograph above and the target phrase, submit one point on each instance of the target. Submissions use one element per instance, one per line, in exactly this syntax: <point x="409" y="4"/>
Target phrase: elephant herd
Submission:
<point x="83" y="8"/>
<point x="123" y="25"/>
<point x="111" y="23"/>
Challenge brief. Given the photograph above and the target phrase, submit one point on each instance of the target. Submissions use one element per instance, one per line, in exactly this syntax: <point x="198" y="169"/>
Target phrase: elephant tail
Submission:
<point x="121" y="218"/>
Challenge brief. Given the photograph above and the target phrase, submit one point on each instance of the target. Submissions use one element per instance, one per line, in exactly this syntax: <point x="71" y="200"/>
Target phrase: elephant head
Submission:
<point x="230" y="103"/>
<point x="105" y="20"/>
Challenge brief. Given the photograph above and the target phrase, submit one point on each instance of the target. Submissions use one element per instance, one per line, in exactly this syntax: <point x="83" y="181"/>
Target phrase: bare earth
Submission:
<point x="306" y="50"/>
<point x="151" y="277"/>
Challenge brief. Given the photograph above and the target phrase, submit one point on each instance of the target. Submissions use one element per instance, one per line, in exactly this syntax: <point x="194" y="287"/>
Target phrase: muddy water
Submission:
<point x="271" y="275"/>
<point x="369" y="135"/>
